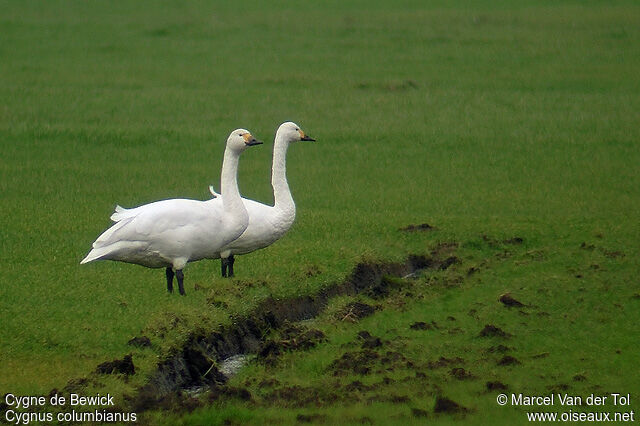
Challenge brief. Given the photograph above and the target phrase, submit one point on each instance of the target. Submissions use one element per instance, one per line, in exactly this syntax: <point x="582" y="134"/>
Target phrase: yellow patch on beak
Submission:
<point x="247" y="137"/>
<point x="301" y="134"/>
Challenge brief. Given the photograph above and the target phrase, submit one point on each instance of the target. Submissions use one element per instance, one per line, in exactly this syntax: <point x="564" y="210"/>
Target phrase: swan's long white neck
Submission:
<point x="231" y="200"/>
<point x="281" y="193"/>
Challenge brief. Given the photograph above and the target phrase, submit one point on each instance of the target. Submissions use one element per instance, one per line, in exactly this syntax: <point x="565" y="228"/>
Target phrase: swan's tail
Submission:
<point x="120" y="214"/>
<point x="213" y="192"/>
<point x="95" y="254"/>
<point x="108" y="242"/>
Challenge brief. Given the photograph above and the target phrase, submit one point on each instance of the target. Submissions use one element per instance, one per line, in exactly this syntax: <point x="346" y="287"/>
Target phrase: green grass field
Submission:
<point x="487" y="120"/>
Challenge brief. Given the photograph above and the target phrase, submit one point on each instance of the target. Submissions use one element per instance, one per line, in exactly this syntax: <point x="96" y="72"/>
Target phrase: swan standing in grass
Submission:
<point x="170" y="233"/>
<point x="267" y="224"/>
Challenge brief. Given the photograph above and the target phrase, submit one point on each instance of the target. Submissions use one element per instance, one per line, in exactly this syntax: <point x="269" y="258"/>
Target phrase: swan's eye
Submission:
<point x="239" y="134"/>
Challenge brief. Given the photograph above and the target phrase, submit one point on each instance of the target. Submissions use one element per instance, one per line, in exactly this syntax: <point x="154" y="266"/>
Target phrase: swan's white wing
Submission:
<point x="156" y="233"/>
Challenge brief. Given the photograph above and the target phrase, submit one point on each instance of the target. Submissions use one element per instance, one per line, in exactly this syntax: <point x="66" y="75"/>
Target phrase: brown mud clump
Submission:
<point x="509" y="301"/>
<point x="417" y="412"/>
<point x="369" y="341"/>
<point x="508" y="360"/>
<point x="354" y="362"/>
<point x="118" y="366"/>
<point x="355" y="311"/>
<point x="416" y="228"/>
<point x="496" y="385"/>
<point x="491" y="330"/>
<point x="460" y="373"/>
<point x="445" y="405"/>
<point x="292" y="337"/>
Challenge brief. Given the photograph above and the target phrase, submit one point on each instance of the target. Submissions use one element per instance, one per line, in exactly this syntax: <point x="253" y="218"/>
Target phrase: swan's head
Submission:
<point x="241" y="139"/>
<point x="291" y="132"/>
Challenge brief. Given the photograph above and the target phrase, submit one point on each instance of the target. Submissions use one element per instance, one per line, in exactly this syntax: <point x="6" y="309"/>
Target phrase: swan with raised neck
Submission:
<point x="267" y="224"/>
<point x="171" y="233"/>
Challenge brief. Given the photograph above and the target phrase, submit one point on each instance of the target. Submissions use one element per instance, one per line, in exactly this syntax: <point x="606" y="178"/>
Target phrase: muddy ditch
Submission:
<point x="195" y="364"/>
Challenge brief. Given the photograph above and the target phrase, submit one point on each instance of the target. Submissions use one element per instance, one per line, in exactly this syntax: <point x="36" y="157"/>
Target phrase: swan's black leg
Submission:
<point x="169" y="273"/>
<point x="231" y="261"/>
<point x="180" y="277"/>
<point x="223" y="263"/>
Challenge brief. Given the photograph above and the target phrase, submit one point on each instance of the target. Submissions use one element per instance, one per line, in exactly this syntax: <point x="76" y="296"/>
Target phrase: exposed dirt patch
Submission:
<point x="421" y="325"/>
<point x="416" y="228"/>
<point x="559" y="387"/>
<point x="141" y="342"/>
<point x="508" y="300"/>
<point x="357" y="386"/>
<point x="491" y="330"/>
<point x="369" y="341"/>
<point x="496" y="385"/>
<point x="359" y="362"/>
<point x="355" y="311"/>
<point x="118" y="366"/>
<point x="417" y="412"/>
<point x="540" y="355"/>
<point x="194" y="365"/>
<point x="514" y="240"/>
<point x="461" y="374"/>
<point x="445" y="405"/>
<point x="508" y="360"/>
<point x="499" y="348"/>
<point x="292" y="337"/>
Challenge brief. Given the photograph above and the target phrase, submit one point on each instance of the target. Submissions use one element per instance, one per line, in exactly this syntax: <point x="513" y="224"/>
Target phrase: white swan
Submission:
<point x="171" y="233"/>
<point x="267" y="224"/>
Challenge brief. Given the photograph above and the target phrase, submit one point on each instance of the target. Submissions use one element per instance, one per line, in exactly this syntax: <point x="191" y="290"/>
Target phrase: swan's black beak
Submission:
<point x="307" y="138"/>
<point x="253" y="141"/>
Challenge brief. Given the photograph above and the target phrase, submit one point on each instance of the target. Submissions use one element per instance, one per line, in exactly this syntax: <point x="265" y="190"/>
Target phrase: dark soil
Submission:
<point x="508" y="360"/>
<point x="359" y="362"/>
<point x="369" y="341"/>
<point x="421" y="227"/>
<point x="355" y="311"/>
<point x="445" y="405"/>
<point x="509" y="301"/>
<point x="194" y="364"/>
<point x="118" y="366"/>
<point x="292" y="337"/>
<point x="514" y="240"/>
<point x="421" y="325"/>
<point x="460" y="373"/>
<point x="499" y="348"/>
<point x="492" y="386"/>
<point x="417" y="412"/>
<point x="491" y="330"/>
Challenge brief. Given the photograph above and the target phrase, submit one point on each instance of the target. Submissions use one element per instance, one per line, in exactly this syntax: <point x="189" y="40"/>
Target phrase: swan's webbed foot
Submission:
<point x="169" y="273"/>
<point x="180" y="277"/>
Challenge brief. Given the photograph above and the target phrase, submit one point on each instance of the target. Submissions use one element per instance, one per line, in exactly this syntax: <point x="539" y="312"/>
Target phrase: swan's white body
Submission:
<point x="171" y="233"/>
<point x="267" y="224"/>
<point x="168" y="233"/>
